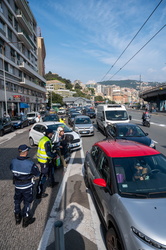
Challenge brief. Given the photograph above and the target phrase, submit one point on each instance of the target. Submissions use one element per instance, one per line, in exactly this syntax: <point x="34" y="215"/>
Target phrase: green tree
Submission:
<point x="55" y="98"/>
<point x="92" y="91"/>
<point x="99" y="98"/>
<point x="77" y="86"/>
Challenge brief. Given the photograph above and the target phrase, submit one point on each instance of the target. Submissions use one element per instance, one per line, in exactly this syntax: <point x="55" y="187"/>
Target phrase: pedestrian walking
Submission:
<point x="23" y="171"/>
<point x="45" y="155"/>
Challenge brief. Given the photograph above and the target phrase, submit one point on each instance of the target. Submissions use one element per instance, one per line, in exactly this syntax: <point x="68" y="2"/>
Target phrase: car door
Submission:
<point x="103" y="195"/>
<point x="37" y="134"/>
<point x="7" y="124"/>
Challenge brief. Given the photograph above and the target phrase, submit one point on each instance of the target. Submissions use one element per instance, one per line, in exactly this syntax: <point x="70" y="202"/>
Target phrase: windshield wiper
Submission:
<point x="161" y="192"/>
<point x="136" y="194"/>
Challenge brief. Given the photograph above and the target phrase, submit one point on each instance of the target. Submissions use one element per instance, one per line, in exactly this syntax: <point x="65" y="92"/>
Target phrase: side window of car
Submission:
<point x="37" y="128"/>
<point x="103" y="167"/>
<point x="42" y="129"/>
<point x="95" y="153"/>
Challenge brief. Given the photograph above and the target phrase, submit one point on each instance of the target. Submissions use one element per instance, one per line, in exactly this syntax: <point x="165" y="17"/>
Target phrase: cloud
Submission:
<point x="164" y="69"/>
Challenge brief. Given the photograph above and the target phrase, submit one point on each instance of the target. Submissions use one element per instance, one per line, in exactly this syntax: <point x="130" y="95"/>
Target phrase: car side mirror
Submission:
<point x="100" y="182"/>
<point x="130" y="117"/>
<point x="93" y="122"/>
<point x="146" y="134"/>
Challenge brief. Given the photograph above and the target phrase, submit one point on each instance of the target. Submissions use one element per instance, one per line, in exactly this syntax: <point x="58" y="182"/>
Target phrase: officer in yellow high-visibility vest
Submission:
<point x="44" y="156"/>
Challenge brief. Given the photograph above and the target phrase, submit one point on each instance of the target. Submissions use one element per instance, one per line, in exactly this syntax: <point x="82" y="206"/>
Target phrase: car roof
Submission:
<point x="48" y="123"/>
<point x="124" y="124"/>
<point x="125" y="148"/>
<point x="82" y="116"/>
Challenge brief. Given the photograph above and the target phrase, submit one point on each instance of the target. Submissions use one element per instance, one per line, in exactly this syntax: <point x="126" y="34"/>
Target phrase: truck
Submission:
<point x="110" y="113"/>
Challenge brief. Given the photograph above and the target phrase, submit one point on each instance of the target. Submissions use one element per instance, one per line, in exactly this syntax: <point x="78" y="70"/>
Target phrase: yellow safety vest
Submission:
<point x="41" y="152"/>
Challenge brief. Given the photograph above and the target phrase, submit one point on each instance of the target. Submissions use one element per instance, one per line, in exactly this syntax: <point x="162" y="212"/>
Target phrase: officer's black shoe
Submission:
<point x="42" y="195"/>
<point x="27" y="221"/>
<point x="18" y="218"/>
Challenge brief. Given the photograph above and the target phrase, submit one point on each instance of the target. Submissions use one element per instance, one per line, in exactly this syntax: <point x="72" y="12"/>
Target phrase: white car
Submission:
<point x="32" y="116"/>
<point x="37" y="130"/>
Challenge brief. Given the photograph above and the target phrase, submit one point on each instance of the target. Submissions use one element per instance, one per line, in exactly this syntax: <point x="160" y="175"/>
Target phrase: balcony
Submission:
<point x="31" y="85"/>
<point x="28" y="70"/>
<point x="25" y="40"/>
<point x="25" y="8"/>
<point x="22" y="20"/>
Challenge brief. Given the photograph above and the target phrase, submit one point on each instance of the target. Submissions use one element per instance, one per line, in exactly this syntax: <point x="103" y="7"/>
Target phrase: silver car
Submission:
<point x="83" y="125"/>
<point x="128" y="181"/>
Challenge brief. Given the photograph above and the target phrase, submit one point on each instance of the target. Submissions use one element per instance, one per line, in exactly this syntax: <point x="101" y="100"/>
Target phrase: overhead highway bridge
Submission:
<point x="156" y="97"/>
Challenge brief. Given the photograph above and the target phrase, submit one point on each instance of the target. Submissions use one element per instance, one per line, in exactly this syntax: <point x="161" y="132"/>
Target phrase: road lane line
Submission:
<point x="96" y="221"/>
<point x="152" y="123"/>
<point x="50" y="223"/>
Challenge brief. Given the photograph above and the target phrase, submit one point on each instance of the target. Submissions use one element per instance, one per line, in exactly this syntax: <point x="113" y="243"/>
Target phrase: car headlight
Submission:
<point x="147" y="239"/>
<point x="91" y="127"/>
<point x="76" y="129"/>
<point x="152" y="144"/>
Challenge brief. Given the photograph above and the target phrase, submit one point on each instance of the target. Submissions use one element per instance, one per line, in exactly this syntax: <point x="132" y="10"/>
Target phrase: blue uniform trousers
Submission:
<point x="25" y="196"/>
<point x="47" y="171"/>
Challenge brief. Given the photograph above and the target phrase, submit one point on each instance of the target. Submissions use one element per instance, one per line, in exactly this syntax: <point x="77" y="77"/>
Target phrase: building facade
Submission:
<point x="22" y="85"/>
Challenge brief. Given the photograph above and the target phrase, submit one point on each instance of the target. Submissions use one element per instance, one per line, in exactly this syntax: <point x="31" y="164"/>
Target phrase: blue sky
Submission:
<point x="84" y="38"/>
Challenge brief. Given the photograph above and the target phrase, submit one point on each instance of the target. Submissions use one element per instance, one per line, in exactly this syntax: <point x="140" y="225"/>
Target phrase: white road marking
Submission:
<point x="50" y="223"/>
<point x="95" y="218"/>
<point x="153" y="123"/>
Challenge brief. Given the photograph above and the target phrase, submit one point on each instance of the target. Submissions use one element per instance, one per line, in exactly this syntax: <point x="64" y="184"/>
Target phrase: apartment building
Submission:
<point x="22" y="85"/>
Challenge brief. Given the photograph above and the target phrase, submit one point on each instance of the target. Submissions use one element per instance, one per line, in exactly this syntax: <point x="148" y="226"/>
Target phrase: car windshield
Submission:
<point x="143" y="176"/>
<point x="90" y="111"/>
<point x="74" y="115"/>
<point x="16" y="118"/>
<point x="130" y="131"/>
<point x="51" y="118"/>
<point x="116" y="115"/>
<point x="55" y="126"/>
<point x="83" y="121"/>
<point x="31" y="115"/>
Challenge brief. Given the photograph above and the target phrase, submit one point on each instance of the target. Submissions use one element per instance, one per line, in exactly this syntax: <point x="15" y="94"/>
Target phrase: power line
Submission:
<point x="132" y="40"/>
<point x="138" y="52"/>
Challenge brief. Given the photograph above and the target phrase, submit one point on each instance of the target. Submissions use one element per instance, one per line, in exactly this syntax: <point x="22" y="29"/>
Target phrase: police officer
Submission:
<point x="45" y="156"/>
<point x="23" y="171"/>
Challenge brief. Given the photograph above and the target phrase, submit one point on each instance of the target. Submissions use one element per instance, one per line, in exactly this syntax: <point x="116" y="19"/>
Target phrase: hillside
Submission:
<point x="128" y="83"/>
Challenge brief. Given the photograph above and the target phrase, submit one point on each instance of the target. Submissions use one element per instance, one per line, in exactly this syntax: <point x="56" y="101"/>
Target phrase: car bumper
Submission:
<point x="77" y="145"/>
<point x="86" y="132"/>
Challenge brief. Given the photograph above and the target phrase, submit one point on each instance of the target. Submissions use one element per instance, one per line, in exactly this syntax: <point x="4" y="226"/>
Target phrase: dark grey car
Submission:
<point x="129" y="131"/>
<point x="5" y="125"/>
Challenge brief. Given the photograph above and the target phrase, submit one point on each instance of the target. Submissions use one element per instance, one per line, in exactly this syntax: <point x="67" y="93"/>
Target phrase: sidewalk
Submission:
<point x="74" y="207"/>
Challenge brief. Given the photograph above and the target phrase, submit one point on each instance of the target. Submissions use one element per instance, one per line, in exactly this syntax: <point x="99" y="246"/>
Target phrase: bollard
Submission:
<point x="59" y="236"/>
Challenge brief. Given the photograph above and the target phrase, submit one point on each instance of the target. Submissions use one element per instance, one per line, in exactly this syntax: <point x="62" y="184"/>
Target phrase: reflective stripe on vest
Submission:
<point x="41" y="152"/>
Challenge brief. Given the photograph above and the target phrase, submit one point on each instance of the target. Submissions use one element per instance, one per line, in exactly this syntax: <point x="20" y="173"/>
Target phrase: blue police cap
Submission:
<point x="23" y="148"/>
<point x="49" y="131"/>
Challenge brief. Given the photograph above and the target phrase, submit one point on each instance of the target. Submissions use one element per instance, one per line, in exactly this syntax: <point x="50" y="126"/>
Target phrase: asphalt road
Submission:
<point x="15" y="237"/>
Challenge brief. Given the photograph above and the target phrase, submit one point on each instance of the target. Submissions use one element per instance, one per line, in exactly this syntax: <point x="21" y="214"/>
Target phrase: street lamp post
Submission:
<point x="4" y="78"/>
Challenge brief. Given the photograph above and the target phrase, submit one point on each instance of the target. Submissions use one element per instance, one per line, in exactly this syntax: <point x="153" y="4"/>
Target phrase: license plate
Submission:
<point x="75" y="145"/>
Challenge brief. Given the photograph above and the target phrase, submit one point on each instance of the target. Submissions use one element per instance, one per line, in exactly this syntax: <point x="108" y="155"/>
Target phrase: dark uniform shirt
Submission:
<point x="23" y="171"/>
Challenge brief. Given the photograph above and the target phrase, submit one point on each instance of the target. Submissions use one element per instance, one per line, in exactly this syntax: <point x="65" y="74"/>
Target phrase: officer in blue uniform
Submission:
<point x="23" y="171"/>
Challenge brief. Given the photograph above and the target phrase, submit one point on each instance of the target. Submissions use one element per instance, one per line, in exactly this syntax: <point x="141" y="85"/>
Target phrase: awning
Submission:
<point x="23" y="105"/>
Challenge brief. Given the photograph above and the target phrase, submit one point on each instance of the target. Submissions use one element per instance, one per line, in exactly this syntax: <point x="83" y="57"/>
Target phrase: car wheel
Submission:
<point x="31" y="142"/>
<point x="1" y="132"/>
<point x="86" y="179"/>
<point x="112" y="240"/>
<point x="12" y="129"/>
